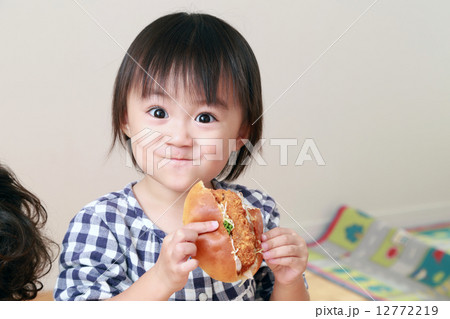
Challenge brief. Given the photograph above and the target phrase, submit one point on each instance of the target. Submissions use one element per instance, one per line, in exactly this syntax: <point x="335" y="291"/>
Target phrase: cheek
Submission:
<point x="142" y="155"/>
<point x="213" y="149"/>
<point x="146" y="146"/>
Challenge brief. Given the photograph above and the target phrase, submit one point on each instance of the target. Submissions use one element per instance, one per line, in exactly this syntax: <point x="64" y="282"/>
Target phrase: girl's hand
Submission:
<point x="285" y="252"/>
<point x="174" y="263"/>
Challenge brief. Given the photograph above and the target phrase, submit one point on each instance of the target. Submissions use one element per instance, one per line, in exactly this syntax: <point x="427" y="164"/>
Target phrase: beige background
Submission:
<point x="376" y="102"/>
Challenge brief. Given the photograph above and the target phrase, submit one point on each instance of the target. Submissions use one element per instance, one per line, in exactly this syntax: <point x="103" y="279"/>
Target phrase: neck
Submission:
<point x="152" y="191"/>
<point x="162" y="205"/>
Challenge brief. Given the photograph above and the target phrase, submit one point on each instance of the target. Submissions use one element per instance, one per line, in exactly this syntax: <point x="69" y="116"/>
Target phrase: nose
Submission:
<point x="180" y="135"/>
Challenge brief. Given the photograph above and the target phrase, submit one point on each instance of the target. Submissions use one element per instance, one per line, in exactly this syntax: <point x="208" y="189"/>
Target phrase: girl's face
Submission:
<point x="177" y="139"/>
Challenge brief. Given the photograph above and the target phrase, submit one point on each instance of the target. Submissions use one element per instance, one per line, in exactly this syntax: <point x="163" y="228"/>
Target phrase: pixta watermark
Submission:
<point x="149" y="146"/>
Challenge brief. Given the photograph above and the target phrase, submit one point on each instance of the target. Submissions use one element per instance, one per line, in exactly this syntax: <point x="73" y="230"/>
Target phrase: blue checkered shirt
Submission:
<point x="111" y="242"/>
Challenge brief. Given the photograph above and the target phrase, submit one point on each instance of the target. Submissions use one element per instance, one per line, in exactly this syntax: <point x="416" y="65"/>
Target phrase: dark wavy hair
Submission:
<point x="201" y="50"/>
<point x="25" y="253"/>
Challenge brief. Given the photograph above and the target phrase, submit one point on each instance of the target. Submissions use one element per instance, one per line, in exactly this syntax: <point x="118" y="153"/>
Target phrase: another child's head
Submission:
<point x="25" y="254"/>
<point x="190" y="65"/>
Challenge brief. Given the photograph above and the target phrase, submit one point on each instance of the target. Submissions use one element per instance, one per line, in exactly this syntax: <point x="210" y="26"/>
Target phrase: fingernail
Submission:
<point x="214" y="224"/>
<point x="263" y="237"/>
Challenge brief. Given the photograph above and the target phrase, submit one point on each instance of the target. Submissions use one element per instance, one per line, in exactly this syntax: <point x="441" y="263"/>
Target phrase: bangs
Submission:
<point x="190" y="53"/>
<point x="183" y="78"/>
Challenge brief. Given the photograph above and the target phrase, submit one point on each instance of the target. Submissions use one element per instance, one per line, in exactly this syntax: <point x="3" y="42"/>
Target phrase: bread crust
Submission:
<point x="214" y="249"/>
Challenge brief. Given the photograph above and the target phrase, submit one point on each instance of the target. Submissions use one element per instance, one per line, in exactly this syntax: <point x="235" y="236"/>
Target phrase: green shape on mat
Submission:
<point x="389" y="250"/>
<point x="350" y="229"/>
<point x="313" y="255"/>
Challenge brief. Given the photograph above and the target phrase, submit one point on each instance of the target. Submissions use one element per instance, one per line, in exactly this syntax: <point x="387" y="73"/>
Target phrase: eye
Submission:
<point x="158" y="113"/>
<point x="205" y="118"/>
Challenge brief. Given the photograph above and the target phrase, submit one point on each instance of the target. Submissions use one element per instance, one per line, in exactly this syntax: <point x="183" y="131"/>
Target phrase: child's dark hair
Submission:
<point x="25" y="253"/>
<point x="200" y="50"/>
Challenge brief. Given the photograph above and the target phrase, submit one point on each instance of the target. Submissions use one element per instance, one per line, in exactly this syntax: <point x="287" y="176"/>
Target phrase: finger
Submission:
<point x="282" y="238"/>
<point x="202" y="227"/>
<point x="189" y="265"/>
<point x="184" y="235"/>
<point x="285" y="261"/>
<point x="184" y="250"/>
<point x="283" y="251"/>
<point x="277" y="231"/>
<point x="191" y="231"/>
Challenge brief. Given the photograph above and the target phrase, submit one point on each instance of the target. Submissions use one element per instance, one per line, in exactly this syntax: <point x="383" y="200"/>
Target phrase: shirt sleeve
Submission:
<point x="92" y="265"/>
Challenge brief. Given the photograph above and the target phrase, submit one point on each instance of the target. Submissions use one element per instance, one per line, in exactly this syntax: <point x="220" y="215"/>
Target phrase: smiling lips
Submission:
<point x="174" y="157"/>
<point x="179" y="159"/>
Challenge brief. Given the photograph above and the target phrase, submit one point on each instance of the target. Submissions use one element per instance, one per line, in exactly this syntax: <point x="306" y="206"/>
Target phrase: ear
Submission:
<point x="125" y="127"/>
<point x="244" y="133"/>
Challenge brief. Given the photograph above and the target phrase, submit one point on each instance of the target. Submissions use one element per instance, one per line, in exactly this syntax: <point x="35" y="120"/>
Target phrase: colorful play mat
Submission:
<point x="382" y="262"/>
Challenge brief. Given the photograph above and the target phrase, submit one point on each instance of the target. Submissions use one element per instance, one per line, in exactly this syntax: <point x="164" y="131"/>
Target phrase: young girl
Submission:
<point x="185" y="96"/>
<point x="25" y="252"/>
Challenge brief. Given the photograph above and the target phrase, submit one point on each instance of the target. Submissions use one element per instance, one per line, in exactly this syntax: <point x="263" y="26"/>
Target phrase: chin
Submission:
<point x="179" y="183"/>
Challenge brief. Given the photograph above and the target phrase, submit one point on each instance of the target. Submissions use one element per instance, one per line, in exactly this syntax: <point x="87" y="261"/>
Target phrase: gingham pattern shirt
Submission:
<point x="111" y="242"/>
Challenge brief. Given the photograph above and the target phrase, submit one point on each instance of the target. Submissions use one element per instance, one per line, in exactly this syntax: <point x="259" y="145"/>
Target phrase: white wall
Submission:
<point x="376" y="103"/>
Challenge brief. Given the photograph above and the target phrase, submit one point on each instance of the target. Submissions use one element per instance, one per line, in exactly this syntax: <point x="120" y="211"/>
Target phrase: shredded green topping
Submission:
<point x="228" y="224"/>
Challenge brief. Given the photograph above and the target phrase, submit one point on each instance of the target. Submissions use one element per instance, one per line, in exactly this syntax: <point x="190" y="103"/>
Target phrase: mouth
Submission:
<point x="180" y="159"/>
<point x="179" y="162"/>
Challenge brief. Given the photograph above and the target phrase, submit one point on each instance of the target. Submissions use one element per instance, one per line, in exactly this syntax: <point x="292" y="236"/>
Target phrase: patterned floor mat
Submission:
<point x="382" y="262"/>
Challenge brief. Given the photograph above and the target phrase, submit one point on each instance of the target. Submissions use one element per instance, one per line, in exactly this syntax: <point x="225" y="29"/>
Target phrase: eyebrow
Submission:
<point x="219" y="103"/>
